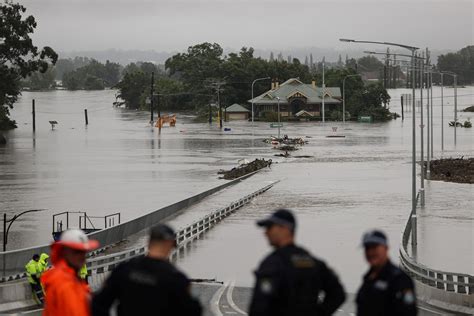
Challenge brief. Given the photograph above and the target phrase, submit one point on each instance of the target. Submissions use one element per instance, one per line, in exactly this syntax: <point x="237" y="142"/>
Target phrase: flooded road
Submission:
<point x="118" y="163"/>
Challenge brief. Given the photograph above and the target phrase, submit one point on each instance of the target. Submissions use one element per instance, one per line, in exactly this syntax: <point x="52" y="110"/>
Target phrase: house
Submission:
<point x="236" y="112"/>
<point x="297" y="99"/>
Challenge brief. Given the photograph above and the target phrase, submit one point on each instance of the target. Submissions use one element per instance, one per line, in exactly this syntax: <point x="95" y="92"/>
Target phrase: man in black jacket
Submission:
<point x="148" y="285"/>
<point x="290" y="281"/>
<point x="386" y="290"/>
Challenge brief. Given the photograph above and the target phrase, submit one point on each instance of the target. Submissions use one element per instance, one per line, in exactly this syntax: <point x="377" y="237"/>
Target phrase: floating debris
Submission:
<point x="286" y="140"/>
<point x="457" y="170"/>
<point x="459" y="124"/>
<point x="245" y="169"/>
<point x="287" y="148"/>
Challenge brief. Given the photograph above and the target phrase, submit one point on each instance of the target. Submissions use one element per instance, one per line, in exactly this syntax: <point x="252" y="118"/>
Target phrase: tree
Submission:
<point x="131" y="88"/>
<point x="93" y="76"/>
<point x="19" y="58"/>
<point x="461" y="63"/>
<point x="41" y="81"/>
<point x="369" y="101"/>
<point x="369" y="63"/>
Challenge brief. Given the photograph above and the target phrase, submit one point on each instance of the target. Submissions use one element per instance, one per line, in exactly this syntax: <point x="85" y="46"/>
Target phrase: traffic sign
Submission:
<point x="276" y="125"/>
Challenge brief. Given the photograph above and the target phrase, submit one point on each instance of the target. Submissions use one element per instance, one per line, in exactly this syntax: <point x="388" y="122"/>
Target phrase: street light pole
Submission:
<point x="412" y="49"/>
<point x="455" y="107"/>
<point x="422" y="145"/>
<point x="258" y="79"/>
<point x="278" y="99"/>
<point x="344" y="97"/>
<point x="10" y="221"/>
<point x="324" y="92"/>
<point x="442" y="112"/>
<point x="428" y="133"/>
<point x="431" y="118"/>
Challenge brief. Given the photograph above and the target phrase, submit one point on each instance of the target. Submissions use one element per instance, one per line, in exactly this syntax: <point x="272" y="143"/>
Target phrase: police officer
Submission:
<point x="386" y="290"/>
<point x="148" y="285"/>
<point x="290" y="280"/>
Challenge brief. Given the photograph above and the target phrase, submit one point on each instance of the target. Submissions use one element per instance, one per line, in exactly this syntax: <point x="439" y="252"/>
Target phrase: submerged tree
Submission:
<point x="19" y="58"/>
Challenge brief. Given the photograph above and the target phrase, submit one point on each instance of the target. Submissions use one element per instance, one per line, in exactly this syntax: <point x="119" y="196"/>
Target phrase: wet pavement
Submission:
<point x="118" y="163"/>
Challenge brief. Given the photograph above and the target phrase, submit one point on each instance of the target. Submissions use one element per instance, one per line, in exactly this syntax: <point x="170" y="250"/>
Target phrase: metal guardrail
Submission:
<point x="447" y="281"/>
<point x="183" y="236"/>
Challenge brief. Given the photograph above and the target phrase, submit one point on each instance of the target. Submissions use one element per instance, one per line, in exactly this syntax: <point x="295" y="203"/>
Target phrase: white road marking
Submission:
<point x="231" y="301"/>
<point x="216" y="298"/>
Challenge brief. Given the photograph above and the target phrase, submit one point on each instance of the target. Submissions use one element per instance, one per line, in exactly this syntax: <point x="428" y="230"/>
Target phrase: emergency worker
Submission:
<point x="148" y="285"/>
<point x="83" y="273"/>
<point x="43" y="262"/>
<point x="33" y="273"/>
<point x="386" y="290"/>
<point x="290" y="281"/>
<point x="66" y="293"/>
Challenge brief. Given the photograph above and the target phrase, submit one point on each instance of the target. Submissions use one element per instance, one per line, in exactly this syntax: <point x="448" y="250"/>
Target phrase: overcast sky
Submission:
<point x="173" y="25"/>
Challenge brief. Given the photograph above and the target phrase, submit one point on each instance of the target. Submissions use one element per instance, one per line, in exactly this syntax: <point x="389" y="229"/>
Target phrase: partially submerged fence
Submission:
<point x="445" y="290"/>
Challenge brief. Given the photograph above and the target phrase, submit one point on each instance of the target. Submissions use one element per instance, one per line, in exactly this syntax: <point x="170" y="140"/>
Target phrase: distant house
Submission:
<point x="236" y="112"/>
<point x="297" y="99"/>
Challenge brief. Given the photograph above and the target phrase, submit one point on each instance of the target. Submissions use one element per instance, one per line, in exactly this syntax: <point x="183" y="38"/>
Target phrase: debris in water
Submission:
<point x="245" y="169"/>
<point x="457" y="170"/>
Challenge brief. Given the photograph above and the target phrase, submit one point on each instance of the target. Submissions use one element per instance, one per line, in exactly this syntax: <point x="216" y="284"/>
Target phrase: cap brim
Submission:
<point x="267" y="222"/>
<point x="88" y="246"/>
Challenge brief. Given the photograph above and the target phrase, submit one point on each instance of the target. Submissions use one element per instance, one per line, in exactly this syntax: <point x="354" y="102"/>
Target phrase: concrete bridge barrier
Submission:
<point x="13" y="262"/>
<point x="448" y="291"/>
<point x="17" y="294"/>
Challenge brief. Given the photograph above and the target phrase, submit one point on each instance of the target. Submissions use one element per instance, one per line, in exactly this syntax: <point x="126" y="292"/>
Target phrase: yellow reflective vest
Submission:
<point x="43" y="264"/>
<point x="83" y="272"/>
<point x="33" y="269"/>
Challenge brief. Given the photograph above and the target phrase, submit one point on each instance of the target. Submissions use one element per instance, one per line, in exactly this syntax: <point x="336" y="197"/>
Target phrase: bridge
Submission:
<point x="439" y="292"/>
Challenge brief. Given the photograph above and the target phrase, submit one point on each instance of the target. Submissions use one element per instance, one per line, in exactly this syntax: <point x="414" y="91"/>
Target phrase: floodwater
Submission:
<point x="118" y="163"/>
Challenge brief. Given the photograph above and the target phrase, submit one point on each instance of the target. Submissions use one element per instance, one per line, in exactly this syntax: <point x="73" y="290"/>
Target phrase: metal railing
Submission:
<point x="447" y="281"/>
<point x="184" y="236"/>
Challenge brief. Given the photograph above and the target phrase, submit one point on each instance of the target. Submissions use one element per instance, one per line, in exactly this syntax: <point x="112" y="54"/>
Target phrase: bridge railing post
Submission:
<point x="440" y="284"/>
<point x="461" y="284"/>
<point x="449" y="286"/>
<point x="471" y="285"/>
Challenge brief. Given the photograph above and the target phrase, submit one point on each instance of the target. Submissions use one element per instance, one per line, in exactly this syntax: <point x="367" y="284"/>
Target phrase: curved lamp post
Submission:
<point x="412" y="49"/>
<point x="258" y="79"/>
<point x="10" y="221"/>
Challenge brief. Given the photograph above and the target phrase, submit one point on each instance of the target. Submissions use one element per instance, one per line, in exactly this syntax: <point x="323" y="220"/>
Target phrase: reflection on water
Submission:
<point x="118" y="163"/>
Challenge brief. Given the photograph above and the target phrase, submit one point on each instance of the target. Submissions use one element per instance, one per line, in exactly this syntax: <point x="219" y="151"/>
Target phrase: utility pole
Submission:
<point x="151" y="97"/>
<point x="217" y="85"/>
<point x="33" y="113"/>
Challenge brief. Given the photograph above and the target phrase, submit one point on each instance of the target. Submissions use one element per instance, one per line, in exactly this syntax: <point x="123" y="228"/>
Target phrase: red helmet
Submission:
<point x="76" y="239"/>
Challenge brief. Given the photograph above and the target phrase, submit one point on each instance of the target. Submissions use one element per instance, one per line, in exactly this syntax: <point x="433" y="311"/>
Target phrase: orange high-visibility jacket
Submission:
<point x="66" y="293"/>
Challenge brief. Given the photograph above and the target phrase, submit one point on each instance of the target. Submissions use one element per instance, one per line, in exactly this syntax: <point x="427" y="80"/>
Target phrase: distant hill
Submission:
<point x="125" y="57"/>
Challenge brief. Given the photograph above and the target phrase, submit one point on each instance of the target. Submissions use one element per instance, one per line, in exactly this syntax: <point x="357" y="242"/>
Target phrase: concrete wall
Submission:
<point x="451" y="302"/>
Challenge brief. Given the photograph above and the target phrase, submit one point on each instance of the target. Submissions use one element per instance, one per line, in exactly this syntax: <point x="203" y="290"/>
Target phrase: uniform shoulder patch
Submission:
<point x="302" y="261"/>
<point x="408" y="297"/>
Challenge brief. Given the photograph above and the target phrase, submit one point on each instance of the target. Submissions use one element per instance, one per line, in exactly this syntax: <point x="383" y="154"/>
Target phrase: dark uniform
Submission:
<point x="146" y="286"/>
<point x="290" y="281"/>
<point x="391" y="292"/>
